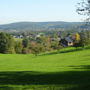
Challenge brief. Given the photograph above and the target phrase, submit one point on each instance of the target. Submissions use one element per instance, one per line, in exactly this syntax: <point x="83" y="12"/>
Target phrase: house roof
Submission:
<point x="68" y="39"/>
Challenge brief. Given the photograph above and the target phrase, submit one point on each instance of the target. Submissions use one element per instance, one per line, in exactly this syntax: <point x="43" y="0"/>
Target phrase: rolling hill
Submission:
<point x="40" y="26"/>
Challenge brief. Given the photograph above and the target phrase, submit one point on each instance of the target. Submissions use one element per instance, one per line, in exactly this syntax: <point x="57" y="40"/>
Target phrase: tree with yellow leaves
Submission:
<point x="76" y="37"/>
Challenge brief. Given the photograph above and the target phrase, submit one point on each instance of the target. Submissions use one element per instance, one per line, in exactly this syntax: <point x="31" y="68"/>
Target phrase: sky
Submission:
<point x="38" y="11"/>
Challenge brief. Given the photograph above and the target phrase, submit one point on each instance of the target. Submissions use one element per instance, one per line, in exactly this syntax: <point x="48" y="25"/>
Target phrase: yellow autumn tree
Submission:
<point x="76" y="37"/>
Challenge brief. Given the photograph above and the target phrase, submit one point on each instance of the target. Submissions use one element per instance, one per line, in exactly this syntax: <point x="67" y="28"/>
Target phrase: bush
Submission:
<point x="37" y="48"/>
<point x="25" y="51"/>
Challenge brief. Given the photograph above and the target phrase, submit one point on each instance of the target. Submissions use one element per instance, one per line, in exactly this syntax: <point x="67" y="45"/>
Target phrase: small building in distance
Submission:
<point x="66" y="41"/>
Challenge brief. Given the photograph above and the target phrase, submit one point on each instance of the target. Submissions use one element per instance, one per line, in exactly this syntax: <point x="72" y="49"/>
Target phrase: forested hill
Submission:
<point x="35" y="26"/>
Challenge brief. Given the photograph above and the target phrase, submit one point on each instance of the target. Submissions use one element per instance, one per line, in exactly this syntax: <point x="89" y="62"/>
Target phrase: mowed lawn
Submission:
<point x="68" y="69"/>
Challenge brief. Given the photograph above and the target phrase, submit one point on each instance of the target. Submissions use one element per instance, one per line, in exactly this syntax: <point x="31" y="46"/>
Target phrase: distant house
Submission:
<point x="67" y="41"/>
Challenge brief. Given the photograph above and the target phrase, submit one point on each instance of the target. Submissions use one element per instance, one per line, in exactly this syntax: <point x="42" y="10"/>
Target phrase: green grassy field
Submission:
<point x="68" y="69"/>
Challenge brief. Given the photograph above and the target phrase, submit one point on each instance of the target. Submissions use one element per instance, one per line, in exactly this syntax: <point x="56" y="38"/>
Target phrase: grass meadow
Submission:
<point x="67" y="69"/>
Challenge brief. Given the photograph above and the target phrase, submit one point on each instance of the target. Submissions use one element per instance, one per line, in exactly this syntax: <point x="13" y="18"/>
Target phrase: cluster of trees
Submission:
<point x="8" y="44"/>
<point x="82" y="39"/>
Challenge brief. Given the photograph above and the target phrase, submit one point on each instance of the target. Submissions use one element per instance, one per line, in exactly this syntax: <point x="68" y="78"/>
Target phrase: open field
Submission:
<point x="67" y="70"/>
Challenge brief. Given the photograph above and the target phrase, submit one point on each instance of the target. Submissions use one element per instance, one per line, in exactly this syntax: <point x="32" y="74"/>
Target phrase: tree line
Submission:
<point x="10" y="45"/>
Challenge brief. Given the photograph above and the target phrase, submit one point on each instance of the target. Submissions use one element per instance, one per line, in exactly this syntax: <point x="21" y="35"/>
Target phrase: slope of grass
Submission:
<point x="67" y="70"/>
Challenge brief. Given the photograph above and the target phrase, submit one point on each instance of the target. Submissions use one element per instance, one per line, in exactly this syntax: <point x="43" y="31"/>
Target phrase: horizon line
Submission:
<point x="37" y="22"/>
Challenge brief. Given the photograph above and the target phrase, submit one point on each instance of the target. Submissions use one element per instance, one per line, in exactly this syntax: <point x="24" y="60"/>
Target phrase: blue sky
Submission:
<point x="38" y="10"/>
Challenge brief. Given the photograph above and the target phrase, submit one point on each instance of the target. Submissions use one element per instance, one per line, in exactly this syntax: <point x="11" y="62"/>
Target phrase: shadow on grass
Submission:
<point x="79" y="78"/>
<point x="84" y="67"/>
<point x="71" y="50"/>
<point x="64" y="51"/>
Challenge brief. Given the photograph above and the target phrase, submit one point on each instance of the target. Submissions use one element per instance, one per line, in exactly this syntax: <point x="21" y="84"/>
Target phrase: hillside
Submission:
<point x="40" y="26"/>
<point x="67" y="70"/>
